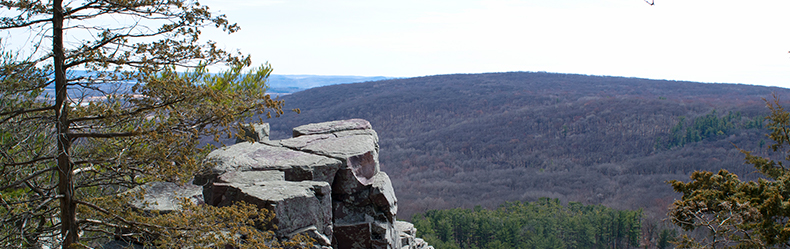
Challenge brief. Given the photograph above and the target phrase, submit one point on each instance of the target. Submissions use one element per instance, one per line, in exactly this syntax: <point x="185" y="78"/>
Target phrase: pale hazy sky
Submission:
<point x="724" y="41"/>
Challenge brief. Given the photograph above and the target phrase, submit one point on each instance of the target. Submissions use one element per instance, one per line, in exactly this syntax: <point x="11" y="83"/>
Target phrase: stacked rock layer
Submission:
<point x="325" y="183"/>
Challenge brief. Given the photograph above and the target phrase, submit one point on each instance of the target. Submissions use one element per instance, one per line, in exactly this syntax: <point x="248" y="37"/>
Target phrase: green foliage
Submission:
<point x="128" y="102"/>
<point x="666" y="238"/>
<point x="709" y="126"/>
<point x="542" y="224"/>
<point x="736" y="213"/>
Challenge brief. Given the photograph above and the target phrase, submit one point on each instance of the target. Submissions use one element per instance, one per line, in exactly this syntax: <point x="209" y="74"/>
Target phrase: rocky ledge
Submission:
<point x="325" y="183"/>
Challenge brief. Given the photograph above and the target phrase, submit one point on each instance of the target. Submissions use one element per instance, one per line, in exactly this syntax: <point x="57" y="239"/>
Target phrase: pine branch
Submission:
<point x="32" y="161"/>
<point x="106" y="135"/>
<point x="23" y="111"/>
<point x="37" y="173"/>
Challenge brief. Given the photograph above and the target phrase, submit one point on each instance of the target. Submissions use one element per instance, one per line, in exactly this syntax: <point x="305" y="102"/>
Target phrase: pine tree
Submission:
<point x="109" y="95"/>
<point x="736" y="213"/>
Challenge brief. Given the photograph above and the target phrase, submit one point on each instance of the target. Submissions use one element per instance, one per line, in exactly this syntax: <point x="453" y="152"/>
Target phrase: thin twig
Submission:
<point x="28" y="178"/>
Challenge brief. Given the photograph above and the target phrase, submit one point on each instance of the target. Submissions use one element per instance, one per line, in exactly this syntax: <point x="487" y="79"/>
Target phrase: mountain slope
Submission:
<point x="482" y="139"/>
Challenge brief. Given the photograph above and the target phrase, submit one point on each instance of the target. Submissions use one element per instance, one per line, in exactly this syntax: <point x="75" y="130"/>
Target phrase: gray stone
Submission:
<point x="351" y="142"/>
<point x="346" y="214"/>
<point x="298" y="143"/>
<point x="331" y="126"/>
<point x="383" y="195"/>
<point x="421" y="244"/>
<point x="296" y="165"/>
<point x="405" y="227"/>
<point x="347" y="133"/>
<point x="406" y="232"/>
<point x="343" y="147"/>
<point x="165" y="197"/>
<point x="253" y="132"/>
<point x="292" y="178"/>
<point x="312" y="232"/>
<point x="251" y="177"/>
<point x="353" y="236"/>
<point x="357" y="174"/>
<point x="384" y="236"/>
<point x="295" y="204"/>
<point x="275" y="143"/>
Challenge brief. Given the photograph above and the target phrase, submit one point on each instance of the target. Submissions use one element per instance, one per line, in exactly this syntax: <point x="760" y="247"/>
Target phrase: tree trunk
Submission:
<point x="68" y="215"/>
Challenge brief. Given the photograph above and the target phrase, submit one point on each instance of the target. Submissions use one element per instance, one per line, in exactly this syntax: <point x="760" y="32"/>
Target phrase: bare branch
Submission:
<point x="115" y="216"/>
<point x="37" y="173"/>
<point x="23" y="111"/>
<point x="22" y="25"/>
<point x="106" y="135"/>
<point x="130" y="113"/>
<point x="86" y="6"/>
<point x="29" y="162"/>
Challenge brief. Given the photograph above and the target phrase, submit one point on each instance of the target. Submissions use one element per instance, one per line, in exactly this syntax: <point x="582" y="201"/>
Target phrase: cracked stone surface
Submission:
<point x="325" y="183"/>
<point x="332" y="126"/>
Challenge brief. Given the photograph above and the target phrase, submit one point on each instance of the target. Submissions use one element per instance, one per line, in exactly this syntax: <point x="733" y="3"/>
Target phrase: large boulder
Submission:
<point x="324" y="183"/>
<point x="250" y="177"/>
<point x="246" y="156"/>
<point x="376" y="202"/>
<point x="357" y="149"/>
<point x="296" y="205"/>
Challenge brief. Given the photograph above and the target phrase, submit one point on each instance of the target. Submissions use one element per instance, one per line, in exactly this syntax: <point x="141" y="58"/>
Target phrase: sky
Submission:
<point x="714" y="41"/>
<point x="720" y="41"/>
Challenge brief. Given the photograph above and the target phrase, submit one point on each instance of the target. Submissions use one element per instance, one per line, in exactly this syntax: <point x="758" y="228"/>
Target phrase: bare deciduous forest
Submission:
<point x="451" y="141"/>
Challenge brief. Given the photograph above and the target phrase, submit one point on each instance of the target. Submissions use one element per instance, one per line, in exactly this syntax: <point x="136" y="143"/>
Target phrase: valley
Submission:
<point x="463" y="140"/>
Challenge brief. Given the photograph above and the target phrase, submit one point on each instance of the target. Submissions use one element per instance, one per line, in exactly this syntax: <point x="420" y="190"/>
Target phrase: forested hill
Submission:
<point x="482" y="139"/>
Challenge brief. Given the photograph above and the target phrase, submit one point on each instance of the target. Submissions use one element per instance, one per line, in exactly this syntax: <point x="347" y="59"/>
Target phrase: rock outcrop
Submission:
<point x="325" y="182"/>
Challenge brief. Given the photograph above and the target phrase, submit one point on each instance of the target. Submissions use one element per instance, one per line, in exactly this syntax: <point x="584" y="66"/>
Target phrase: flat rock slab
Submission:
<point x="251" y="177"/>
<point x="166" y="197"/>
<point x="358" y="149"/>
<point x="331" y="126"/>
<point x="343" y="147"/>
<point x="298" y="143"/>
<point x="296" y="165"/>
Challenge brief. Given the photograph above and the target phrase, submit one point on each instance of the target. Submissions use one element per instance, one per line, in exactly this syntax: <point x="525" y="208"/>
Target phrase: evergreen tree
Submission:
<point x="736" y="213"/>
<point x="542" y="224"/>
<point x="96" y="105"/>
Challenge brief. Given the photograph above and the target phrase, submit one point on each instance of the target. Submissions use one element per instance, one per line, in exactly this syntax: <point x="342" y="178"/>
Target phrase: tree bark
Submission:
<point x="68" y="215"/>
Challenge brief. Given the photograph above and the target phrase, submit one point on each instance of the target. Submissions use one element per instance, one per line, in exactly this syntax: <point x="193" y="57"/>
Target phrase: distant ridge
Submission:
<point x="462" y="140"/>
<point x="286" y="84"/>
<point x="278" y="84"/>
